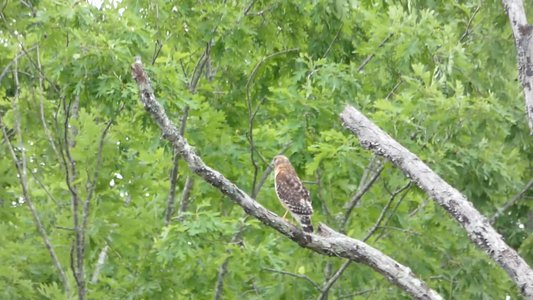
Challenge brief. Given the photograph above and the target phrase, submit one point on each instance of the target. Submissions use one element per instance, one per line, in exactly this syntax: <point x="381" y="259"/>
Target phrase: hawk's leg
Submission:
<point x="286" y="212"/>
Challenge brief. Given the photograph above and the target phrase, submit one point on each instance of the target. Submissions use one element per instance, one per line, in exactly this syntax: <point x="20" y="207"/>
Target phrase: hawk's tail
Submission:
<point x="305" y="222"/>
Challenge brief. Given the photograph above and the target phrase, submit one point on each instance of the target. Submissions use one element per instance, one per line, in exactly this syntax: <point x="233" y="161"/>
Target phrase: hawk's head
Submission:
<point x="280" y="159"/>
<point x="282" y="163"/>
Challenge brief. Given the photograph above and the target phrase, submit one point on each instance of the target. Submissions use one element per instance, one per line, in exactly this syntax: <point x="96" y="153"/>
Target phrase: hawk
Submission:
<point x="292" y="193"/>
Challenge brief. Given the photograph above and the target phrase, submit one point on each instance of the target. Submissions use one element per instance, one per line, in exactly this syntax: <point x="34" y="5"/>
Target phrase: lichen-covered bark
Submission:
<point x="523" y="35"/>
<point x="476" y="225"/>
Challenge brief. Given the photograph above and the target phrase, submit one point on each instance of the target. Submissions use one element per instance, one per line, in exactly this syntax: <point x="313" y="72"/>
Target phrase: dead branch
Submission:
<point x="523" y="35"/>
<point x="477" y="226"/>
<point x="326" y="242"/>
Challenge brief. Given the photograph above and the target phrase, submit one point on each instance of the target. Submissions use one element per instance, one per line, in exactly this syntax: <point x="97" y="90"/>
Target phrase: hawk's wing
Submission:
<point x="293" y="194"/>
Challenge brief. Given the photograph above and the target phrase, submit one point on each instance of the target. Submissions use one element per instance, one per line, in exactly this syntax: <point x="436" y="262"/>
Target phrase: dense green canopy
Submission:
<point x="254" y="79"/>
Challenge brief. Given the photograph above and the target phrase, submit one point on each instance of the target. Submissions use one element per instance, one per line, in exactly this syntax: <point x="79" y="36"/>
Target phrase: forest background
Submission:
<point x="95" y="202"/>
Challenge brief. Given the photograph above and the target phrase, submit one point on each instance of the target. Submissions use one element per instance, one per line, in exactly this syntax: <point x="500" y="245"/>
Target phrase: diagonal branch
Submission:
<point x="366" y="184"/>
<point x="326" y="242"/>
<point x="523" y="35"/>
<point x="371" y="56"/>
<point x="511" y="202"/>
<point x="477" y="226"/>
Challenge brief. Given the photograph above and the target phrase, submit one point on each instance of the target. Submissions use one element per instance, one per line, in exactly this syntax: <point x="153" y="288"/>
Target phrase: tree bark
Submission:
<point x="477" y="226"/>
<point x="523" y="35"/>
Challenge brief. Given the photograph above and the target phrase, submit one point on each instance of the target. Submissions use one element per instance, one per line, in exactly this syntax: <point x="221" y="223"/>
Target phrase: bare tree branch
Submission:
<point x="523" y="35"/>
<point x="20" y="166"/>
<point x="326" y="242"/>
<point x="78" y="248"/>
<point x="511" y="202"/>
<point x="477" y="226"/>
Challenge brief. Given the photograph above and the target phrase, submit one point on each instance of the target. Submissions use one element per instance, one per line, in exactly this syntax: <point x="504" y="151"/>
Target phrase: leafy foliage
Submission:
<point x="438" y="77"/>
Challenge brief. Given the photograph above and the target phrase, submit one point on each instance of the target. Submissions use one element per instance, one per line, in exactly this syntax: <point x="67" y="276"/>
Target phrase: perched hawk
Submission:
<point x="292" y="193"/>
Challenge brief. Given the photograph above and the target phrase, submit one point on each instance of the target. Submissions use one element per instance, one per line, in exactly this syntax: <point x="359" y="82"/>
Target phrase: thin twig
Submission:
<point x="393" y="211"/>
<point x="393" y="90"/>
<point x="325" y="289"/>
<point x="467" y="30"/>
<point x="320" y="194"/>
<point x="301" y="276"/>
<point x="157" y="50"/>
<point x="219" y="286"/>
<point x="45" y="189"/>
<point x="92" y="186"/>
<point x="333" y="41"/>
<point x="361" y="191"/>
<point x="185" y="198"/>
<point x="248" y="7"/>
<point x="511" y="202"/>
<point x="384" y="211"/>
<point x="173" y="184"/>
<point x="369" y="57"/>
